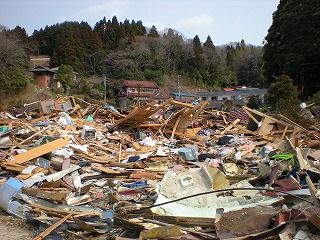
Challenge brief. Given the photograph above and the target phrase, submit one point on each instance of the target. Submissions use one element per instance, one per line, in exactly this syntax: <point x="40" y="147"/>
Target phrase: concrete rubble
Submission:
<point x="167" y="170"/>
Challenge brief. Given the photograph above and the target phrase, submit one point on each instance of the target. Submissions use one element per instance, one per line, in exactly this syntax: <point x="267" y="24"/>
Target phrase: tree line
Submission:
<point x="128" y="50"/>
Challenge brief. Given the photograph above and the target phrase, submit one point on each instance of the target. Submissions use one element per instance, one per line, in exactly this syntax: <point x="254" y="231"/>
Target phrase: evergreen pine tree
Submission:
<point x="197" y="48"/>
<point x="292" y="44"/>
<point x="208" y="43"/>
<point x="153" y="32"/>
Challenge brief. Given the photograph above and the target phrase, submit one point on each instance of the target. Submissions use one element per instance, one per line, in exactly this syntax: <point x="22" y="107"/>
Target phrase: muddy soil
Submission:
<point x="14" y="229"/>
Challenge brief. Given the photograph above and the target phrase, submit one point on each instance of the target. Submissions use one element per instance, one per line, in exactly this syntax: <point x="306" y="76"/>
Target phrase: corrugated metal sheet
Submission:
<point x="239" y="113"/>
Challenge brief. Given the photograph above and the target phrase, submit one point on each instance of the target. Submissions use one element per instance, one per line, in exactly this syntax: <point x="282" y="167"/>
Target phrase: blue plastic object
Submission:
<point x="188" y="153"/>
<point x="138" y="184"/>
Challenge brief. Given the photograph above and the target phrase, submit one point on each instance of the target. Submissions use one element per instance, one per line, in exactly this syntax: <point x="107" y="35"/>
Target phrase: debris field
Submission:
<point x="166" y="170"/>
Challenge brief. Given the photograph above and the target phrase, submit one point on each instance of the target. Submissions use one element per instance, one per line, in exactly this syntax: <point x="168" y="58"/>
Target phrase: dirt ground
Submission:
<point x="246" y="221"/>
<point x="14" y="229"/>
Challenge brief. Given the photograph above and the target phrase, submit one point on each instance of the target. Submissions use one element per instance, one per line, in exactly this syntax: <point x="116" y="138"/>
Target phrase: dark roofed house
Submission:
<point x="144" y="84"/>
<point x="135" y="90"/>
<point x="43" y="76"/>
<point x="47" y="77"/>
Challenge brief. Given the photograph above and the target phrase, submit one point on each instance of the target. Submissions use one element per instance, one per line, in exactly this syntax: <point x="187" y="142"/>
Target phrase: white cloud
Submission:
<point x="195" y="24"/>
<point x="108" y="8"/>
<point x="159" y="25"/>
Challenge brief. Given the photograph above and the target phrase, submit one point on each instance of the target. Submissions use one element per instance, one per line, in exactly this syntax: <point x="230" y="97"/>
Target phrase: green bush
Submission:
<point x="282" y="97"/>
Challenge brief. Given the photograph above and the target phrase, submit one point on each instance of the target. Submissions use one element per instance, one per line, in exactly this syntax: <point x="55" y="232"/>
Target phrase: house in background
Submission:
<point x="46" y="77"/>
<point x="237" y="95"/>
<point x="183" y="97"/>
<point x="43" y="76"/>
<point x="142" y="91"/>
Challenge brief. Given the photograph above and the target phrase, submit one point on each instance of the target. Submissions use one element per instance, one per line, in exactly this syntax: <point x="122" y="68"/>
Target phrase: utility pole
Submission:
<point x="139" y="86"/>
<point x="104" y="79"/>
<point x="179" y="87"/>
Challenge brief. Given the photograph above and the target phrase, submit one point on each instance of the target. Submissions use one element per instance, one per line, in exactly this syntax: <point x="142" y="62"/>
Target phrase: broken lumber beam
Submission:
<point x="230" y="126"/>
<point x="52" y="227"/>
<point x="190" y="115"/>
<point x="175" y="128"/>
<point x="183" y="221"/>
<point x="38" y="151"/>
<point x="135" y="227"/>
<point x="312" y="190"/>
<point x="182" y="104"/>
<point x="36" y="133"/>
<point x="54" y="195"/>
<point x="100" y="168"/>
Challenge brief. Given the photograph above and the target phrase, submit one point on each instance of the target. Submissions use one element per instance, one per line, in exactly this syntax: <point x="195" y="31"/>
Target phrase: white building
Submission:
<point x="241" y="93"/>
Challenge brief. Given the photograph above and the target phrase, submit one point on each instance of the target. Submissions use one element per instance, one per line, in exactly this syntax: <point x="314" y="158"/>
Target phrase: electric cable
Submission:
<point x="223" y="190"/>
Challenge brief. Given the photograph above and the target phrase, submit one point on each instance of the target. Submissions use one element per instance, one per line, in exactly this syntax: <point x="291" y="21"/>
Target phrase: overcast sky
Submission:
<point x="224" y="20"/>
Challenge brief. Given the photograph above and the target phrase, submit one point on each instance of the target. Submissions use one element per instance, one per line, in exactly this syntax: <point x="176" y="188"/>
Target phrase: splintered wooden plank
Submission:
<point x="52" y="227"/>
<point x="235" y="122"/>
<point x="119" y="221"/>
<point x="250" y="115"/>
<point x="312" y="190"/>
<point x="293" y="123"/>
<point x="152" y="111"/>
<point x="266" y="127"/>
<point x="15" y="122"/>
<point x="14" y="142"/>
<point x="100" y="168"/>
<point x="161" y="232"/>
<point x="66" y="165"/>
<point x="182" y="104"/>
<point x="59" y="195"/>
<point x="133" y="113"/>
<point x="268" y="124"/>
<point x="37" y="133"/>
<point x="137" y="114"/>
<point x="301" y="160"/>
<point x="38" y="151"/>
<point x="189" y="116"/>
<point x="77" y="110"/>
<point x="175" y="127"/>
<point x="185" y="221"/>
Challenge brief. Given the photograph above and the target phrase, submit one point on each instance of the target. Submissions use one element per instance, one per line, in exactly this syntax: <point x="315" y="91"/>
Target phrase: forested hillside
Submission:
<point x="127" y="50"/>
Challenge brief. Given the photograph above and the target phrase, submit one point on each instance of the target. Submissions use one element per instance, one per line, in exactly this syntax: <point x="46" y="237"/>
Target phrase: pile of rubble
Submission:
<point x="168" y="170"/>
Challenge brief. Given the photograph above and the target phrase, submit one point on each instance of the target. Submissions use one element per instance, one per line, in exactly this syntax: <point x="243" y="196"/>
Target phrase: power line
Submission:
<point x="223" y="190"/>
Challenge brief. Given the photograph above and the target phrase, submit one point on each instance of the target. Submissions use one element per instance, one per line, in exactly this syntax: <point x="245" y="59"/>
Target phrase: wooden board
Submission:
<point x="38" y="151"/>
